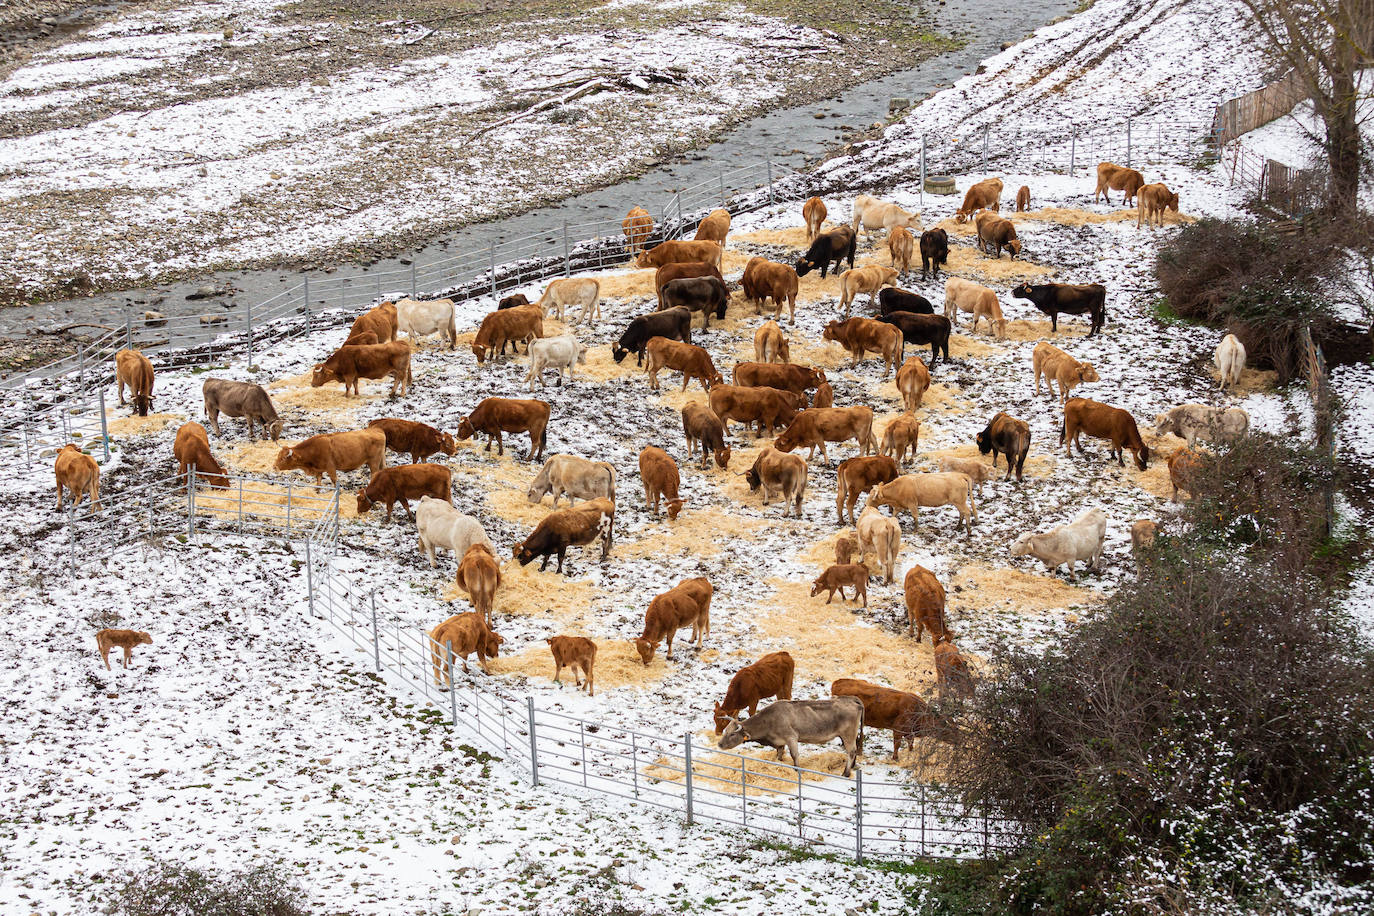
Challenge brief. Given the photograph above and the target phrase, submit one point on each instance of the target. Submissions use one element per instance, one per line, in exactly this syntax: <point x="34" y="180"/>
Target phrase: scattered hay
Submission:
<point x="968" y="261"/>
<point x="759" y="771"/>
<point x="1155" y="480"/>
<point x="828" y="643"/>
<point x="1024" y="329"/>
<point x="822" y="553"/>
<point x="794" y="237"/>
<point x="527" y="592"/>
<point x="629" y="284"/>
<point x="295" y="391"/>
<point x="140" y="426"/>
<point x="671" y="396"/>
<point x="269" y="500"/>
<point x="944" y="398"/>
<point x="974" y="588"/>
<point x="823" y="354"/>
<point x="256" y="457"/>
<point x="617" y="665"/>
<point x="961" y="346"/>
<point x="511" y="504"/>
<point x="600" y="367"/>
<point x="1070" y="216"/>
<point x="694" y="533"/>
<point x="1251" y="380"/>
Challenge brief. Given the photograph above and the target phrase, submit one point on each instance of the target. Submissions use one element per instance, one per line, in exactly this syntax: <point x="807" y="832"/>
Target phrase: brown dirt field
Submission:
<point x="140" y="426"/>
<point x="982" y="586"/>
<point x="617" y="665"/>
<point x="828" y="642"/>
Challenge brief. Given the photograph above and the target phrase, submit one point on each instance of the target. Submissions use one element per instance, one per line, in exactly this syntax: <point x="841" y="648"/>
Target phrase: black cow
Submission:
<point x="699" y="294"/>
<point x="1069" y="298"/>
<point x="674" y="324"/>
<point x="833" y="246"/>
<point x="899" y="300"/>
<point x="934" y="251"/>
<point x="922" y="329"/>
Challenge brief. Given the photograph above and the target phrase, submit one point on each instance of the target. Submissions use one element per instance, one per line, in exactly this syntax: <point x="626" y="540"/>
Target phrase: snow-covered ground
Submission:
<point x="247" y="734"/>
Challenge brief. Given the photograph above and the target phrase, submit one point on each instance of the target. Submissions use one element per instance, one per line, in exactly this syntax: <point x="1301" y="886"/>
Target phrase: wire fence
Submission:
<point x="1293" y="192"/>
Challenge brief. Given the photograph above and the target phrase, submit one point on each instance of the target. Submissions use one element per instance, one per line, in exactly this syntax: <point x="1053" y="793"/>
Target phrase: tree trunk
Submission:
<point x="1342" y="141"/>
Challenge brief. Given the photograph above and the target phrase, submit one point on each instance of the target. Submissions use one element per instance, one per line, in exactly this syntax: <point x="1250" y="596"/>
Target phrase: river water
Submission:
<point x="787" y="136"/>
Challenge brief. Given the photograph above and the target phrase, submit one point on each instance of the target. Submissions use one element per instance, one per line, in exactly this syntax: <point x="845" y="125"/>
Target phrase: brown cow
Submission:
<point x="905" y="714"/>
<point x="689" y="271"/>
<point x="1009" y="436"/>
<point x="680" y="252"/>
<point x="997" y="233"/>
<point x="913" y="380"/>
<point x="480" y="576"/>
<point x="405" y="482"/>
<point x="836" y="577"/>
<point x="418" y="439"/>
<point x="329" y="453"/>
<point x="770" y="676"/>
<point x="1184" y="466"/>
<point x="715" y="227"/>
<point x="857" y="476"/>
<point x="701" y="426"/>
<point x="577" y="526"/>
<point x="522" y="323"/>
<point x="768" y="407"/>
<point x="787" y="377"/>
<point x="1154" y="199"/>
<point x="1103" y="422"/>
<point x="764" y="279"/>
<point x="952" y="671"/>
<point x="577" y="653"/>
<point x="900" y="438"/>
<point x="771" y="345"/>
<point x="1023" y="199"/>
<point x="495" y="416"/>
<point x="816" y="426"/>
<point x="107" y="639"/>
<point x="925" y="605"/>
<point x="689" y="359"/>
<point x="986" y="194"/>
<point x="863" y="335"/>
<point x="688" y="604"/>
<point x="1112" y="177"/>
<point x="813" y="213"/>
<point x="1057" y="366"/>
<point x="192" y="450"/>
<point x="824" y="396"/>
<point x="658" y="472"/>
<point x="900" y="245"/>
<point x="461" y="635"/>
<point x="77" y="472"/>
<point x="382" y="321"/>
<point x="371" y="361"/>
<point x="240" y="399"/>
<point x="637" y="225"/>
<point x="845" y="548"/>
<point x="781" y="473"/>
<point x="132" y="368"/>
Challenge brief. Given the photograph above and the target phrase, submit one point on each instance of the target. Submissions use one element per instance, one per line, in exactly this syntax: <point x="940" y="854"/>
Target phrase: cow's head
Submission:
<point x="723" y="717"/>
<point x="1163" y="424"/>
<point x="752" y="476"/>
<point x="1022" y="545"/>
<point x="984" y="440"/>
<point x="523" y="554"/>
<point x="715" y="379"/>
<point x="645" y="650"/>
<point x="491" y="644"/>
<point x="364" y="503"/>
<point x="804" y="267"/>
<point x="274" y="430"/>
<point x="479" y="351"/>
<point x="1086" y="373"/>
<point x="321" y="375"/>
<point x="465" y="430"/>
<point x="1014" y="246"/>
<point x="142" y="404"/>
<point x="1142" y="457"/>
<point x="144" y="639"/>
<point x="539" y="489"/>
<point x="674" y="507"/>
<point x="732" y="735"/>
<point x="786" y="442"/>
<point x="818" y="586"/>
<point x="785" y="351"/>
<point x="1173" y="202"/>
<point x="999" y="328"/>
<point x="643" y="261"/>
<point x="447" y="444"/>
<point x="1022" y="292"/>
<point x="618" y="353"/>
<point x="833" y="330"/>
<point x="722" y="456"/>
<point x="286" y="460"/>
<point x="582" y="353"/>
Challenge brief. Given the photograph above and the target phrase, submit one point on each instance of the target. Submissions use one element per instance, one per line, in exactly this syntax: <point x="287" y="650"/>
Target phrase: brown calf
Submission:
<point x="835" y="578"/>
<point x="381" y="322"/>
<point x="577" y="653"/>
<point x="658" y="472"/>
<point x="688" y="604"/>
<point x="764" y="279"/>
<point x="637" y="225"/>
<point x="1023" y="199"/>
<point x="813" y="213"/>
<point x="925" y="605"/>
<point x="1112" y="177"/>
<point x="986" y="194"/>
<point x="461" y="635"/>
<point x="900" y="438"/>
<point x="865" y="335"/>
<point x="952" y="671"/>
<point x="913" y="381"/>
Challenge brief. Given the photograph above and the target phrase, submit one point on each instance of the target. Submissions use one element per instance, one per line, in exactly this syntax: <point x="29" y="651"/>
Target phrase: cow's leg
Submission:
<point x="128" y="655"/>
<point x="405" y="504"/>
<point x="562" y="552"/>
<point x="795" y="752"/>
<point x="545" y="563"/>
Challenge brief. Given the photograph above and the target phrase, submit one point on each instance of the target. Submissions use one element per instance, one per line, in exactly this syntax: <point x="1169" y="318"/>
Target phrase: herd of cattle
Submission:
<point x="770" y="393"/>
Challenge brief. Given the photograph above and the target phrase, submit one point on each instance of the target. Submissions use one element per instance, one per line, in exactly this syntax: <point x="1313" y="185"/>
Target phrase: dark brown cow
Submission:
<point x="1103" y="422"/>
<point x="829" y="247"/>
<point x="403" y="483"/>
<point x="791" y="377"/>
<point x="1069" y="298"/>
<point x="706" y="295"/>
<point x="1009" y="436"/>
<point x="576" y="526"/>
<point x="857" y="476"/>
<point x="674" y="324"/>
<point x="669" y="272"/>
<point x="997" y="233"/>
<point x="495" y="416"/>
<point x="703" y="428"/>
<point x="418" y="439"/>
<point x="922" y="329"/>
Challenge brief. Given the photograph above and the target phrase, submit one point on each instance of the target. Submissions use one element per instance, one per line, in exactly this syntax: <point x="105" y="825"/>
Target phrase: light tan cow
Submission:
<point x="1057" y="366"/>
<point x="1153" y="200"/>
<point x="900" y="244"/>
<point x="715" y="227"/>
<point x="966" y="296"/>
<point x="638" y="225"/>
<point x="911" y="492"/>
<point x="869" y="280"/>
<point x="880" y="536"/>
<point x="913" y="380"/>
<point x="873" y="214"/>
<point x="583" y="292"/>
<point x="770" y="344"/>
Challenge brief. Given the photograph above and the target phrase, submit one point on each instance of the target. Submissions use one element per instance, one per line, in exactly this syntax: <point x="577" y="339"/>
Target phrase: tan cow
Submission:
<point x="880" y="536"/>
<point x="925" y="605"/>
<point x="980" y="472"/>
<point x="900" y="438"/>
<point x="688" y="604"/>
<point x="480" y="576"/>
<point x="782" y="473"/>
<point x="1057" y="366"/>
<point x="911" y="492"/>
<point x="864" y="280"/>
<point x="770" y="344"/>
<point x="577" y="653"/>
<point x="330" y="453"/>
<point x="460" y="636"/>
<point x="583" y="292"/>
<point x="1154" y="199"/>
<point x="78" y="473"/>
<point x="872" y="214"/>
<point x="913" y="380"/>
<point x="900" y="245"/>
<point x="715" y="227"/>
<point x="132" y="368"/>
<point x="966" y="296"/>
<point x="813" y="212"/>
<point x="638" y="225"/>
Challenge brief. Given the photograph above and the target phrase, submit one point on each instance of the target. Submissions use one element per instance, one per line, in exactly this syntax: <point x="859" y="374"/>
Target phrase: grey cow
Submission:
<point x="787" y="723"/>
<point x="240" y="399"/>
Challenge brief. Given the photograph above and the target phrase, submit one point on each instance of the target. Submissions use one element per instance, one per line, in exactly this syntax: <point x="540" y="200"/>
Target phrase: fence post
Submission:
<point x="534" y="745"/>
<point x="634" y="761"/>
<point x="452" y="690"/>
<point x="1128" y="143"/>
<point x="986" y="847"/>
<point x="859" y="815"/>
<point x="492" y="262"/>
<point x="768" y="164"/>
<point x="923" y="171"/>
<point x="923" y="819"/>
<point x="582" y="735"/>
<point x="250" y="335"/>
<point x="985" y="148"/>
<point x="104" y="430"/>
<point x="191" y="502"/>
<point x="1073" y="153"/>
<point x="687" y="770"/>
<point x="309" y="577"/>
<point x="376" y="636"/>
<point x="413" y="289"/>
<point x="81" y="365"/>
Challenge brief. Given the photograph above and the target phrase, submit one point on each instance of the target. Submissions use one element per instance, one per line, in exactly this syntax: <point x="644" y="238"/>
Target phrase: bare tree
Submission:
<point x="1326" y="43"/>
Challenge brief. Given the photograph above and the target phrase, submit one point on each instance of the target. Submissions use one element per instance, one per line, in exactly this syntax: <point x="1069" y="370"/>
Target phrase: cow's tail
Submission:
<point x="452" y="328"/>
<point x="610" y="472"/>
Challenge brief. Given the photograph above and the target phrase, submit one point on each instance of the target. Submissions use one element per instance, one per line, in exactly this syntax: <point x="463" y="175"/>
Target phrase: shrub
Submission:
<point x="1205" y="742"/>
<point x="172" y="889"/>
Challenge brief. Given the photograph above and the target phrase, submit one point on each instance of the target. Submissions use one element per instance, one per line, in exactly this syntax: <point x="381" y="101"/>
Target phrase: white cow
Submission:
<point x="583" y="292"/>
<point x="873" y="214"/>
<point x="557" y="353"/>
<point x="577" y="477"/>
<point x="880" y="536"/>
<point x="441" y="525"/>
<point x="420" y="319"/>
<point x="1230" y="361"/>
<point x="1198" y="421"/>
<point x="1080" y="541"/>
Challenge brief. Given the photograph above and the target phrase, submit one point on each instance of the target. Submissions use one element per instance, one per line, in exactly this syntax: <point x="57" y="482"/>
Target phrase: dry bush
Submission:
<point x="173" y="889"/>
